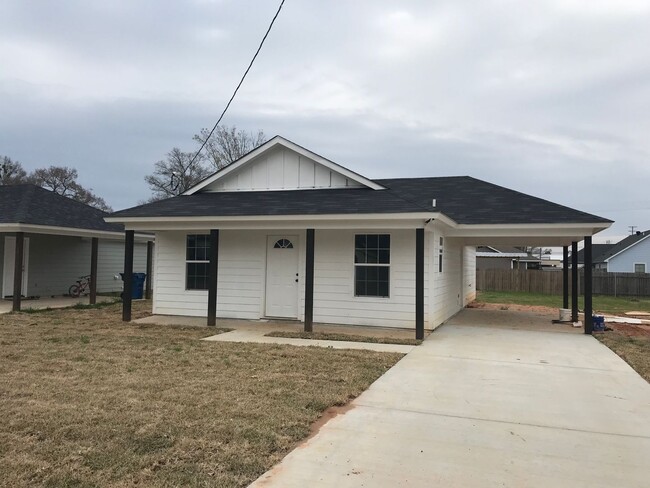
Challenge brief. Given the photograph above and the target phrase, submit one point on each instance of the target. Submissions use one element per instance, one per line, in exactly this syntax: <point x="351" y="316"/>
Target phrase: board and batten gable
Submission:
<point x="281" y="168"/>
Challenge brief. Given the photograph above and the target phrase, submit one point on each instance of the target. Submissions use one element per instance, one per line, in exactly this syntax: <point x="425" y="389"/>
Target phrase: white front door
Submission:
<point x="9" y="262"/>
<point x="282" y="276"/>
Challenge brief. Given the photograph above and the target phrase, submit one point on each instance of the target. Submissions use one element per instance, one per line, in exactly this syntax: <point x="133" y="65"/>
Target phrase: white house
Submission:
<point x="631" y="255"/>
<point x="285" y="233"/>
<point x="54" y="240"/>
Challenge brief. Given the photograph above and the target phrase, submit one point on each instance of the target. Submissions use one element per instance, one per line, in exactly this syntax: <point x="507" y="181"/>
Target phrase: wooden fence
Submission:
<point x="550" y="282"/>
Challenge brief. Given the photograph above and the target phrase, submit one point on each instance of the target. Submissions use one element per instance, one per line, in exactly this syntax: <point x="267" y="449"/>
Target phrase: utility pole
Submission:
<point x="632" y="228"/>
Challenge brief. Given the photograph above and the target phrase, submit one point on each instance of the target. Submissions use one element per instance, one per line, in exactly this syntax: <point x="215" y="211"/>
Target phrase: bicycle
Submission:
<point x="80" y="287"/>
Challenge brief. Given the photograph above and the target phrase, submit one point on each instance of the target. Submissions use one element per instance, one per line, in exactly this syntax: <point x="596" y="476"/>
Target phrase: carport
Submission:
<point x="545" y="234"/>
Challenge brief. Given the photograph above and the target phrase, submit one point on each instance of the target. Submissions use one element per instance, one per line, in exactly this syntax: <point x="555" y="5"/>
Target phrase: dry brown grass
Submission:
<point x="633" y="348"/>
<point x="86" y="400"/>
<point x="330" y="336"/>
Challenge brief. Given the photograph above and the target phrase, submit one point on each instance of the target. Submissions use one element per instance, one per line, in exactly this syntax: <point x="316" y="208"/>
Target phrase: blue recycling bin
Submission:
<point x="137" y="284"/>
<point x="598" y="323"/>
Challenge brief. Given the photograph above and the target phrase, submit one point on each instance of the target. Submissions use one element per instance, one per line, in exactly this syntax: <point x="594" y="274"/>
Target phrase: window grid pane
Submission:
<point x="197" y="261"/>
<point x="372" y="265"/>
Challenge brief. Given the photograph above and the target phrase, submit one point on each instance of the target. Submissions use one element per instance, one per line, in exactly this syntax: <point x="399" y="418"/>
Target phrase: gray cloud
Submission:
<point x="550" y="98"/>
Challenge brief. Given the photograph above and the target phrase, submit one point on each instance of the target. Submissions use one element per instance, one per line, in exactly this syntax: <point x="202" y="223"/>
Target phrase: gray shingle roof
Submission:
<point x="464" y="199"/>
<point x="31" y="204"/>
<point x="624" y="244"/>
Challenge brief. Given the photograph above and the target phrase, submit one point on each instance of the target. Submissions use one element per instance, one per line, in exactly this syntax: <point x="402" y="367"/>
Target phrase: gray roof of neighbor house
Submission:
<point x="597" y="251"/>
<point x="33" y="205"/>
<point x="464" y="199"/>
<point x="622" y="245"/>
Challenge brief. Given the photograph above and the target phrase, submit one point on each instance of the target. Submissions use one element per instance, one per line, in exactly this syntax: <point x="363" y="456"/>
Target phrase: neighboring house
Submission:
<point x="631" y="255"/>
<point x="489" y="257"/>
<point x="292" y="235"/>
<point x="598" y="252"/>
<point x="57" y="233"/>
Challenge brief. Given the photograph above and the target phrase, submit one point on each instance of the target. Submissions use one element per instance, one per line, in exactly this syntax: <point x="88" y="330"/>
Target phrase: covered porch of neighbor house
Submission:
<point x="430" y="272"/>
<point x="42" y="262"/>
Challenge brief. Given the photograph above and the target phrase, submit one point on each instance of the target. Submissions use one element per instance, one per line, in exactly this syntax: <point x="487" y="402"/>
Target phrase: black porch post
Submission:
<point x="419" y="284"/>
<point x="574" y="281"/>
<point x="129" y="237"/>
<point x="18" y="271"/>
<point x="565" y="277"/>
<point x="309" y="281"/>
<point x="213" y="271"/>
<point x="147" y="289"/>
<point x="94" y="248"/>
<point x="589" y="320"/>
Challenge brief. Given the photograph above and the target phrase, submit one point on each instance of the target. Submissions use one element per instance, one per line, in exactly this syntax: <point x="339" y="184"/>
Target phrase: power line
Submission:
<point x="250" y="65"/>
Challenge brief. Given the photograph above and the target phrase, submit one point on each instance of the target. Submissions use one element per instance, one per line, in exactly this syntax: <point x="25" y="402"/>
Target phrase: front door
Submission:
<point x="9" y="264"/>
<point x="282" y="277"/>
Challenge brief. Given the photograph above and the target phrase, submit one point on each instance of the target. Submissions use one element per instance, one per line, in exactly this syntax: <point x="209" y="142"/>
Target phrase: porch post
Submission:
<point x="574" y="281"/>
<point x="18" y="271"/>
<point x="147" y="289"/>
<point x="127" y="276"/>
<point x="309" y="281"/>
<point x="94" y="246"/>
<point x="565" y="277"/>
<point x="589" y="322"/>
<point x="419" y="284"/>
<point x="213" y="268"/>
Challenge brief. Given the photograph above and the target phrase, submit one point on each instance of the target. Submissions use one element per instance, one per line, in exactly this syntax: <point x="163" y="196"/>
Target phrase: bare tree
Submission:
<point x="228" y="144"/>
<point x="12" y="172"/>
<point x="63" y="180"/>
<point x="175" y="174"/>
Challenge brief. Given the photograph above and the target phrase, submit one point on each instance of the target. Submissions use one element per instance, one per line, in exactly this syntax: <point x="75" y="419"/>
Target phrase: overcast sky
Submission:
<point x="551" y="98"/>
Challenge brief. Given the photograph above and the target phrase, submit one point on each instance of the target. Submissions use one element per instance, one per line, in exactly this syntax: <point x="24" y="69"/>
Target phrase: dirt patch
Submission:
<point x="327" y="415"/>
<point x="329" y="336"/>
<point x="514" y="307"/>
<point x="631" y="330"/>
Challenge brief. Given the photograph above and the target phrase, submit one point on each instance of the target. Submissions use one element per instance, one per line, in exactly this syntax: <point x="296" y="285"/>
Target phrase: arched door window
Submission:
<point x="283" y="244"/>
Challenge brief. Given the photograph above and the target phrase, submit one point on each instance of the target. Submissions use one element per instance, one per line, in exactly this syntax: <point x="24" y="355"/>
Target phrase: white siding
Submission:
<point x="241" y="278"/>
<point x="55" y="263"/>
<point x="447" y="294"/>
<point x="469" y="274"/>
<point x="281" y="169"/>
<point x="624" y="262"/>
<point x="334" y="300"/>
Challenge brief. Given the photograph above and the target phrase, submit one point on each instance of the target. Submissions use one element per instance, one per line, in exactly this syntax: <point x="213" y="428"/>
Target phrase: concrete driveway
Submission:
<point x="481" y="406"/>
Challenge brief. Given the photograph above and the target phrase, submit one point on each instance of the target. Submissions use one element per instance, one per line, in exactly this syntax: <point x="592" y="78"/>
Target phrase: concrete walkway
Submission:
<point x="248" y="335"/>
<point x="486" y="407"/>
<point x="255" y="330"/>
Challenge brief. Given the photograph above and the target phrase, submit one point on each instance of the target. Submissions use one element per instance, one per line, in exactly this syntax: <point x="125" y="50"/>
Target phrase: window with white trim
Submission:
<point x="639" y="267"/>
<point x="197" y="260"/>
<point x="372" y="265"/>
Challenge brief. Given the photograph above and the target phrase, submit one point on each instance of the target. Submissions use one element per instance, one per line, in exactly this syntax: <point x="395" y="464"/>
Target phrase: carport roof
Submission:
<point x="32" y="205"/>
<point x="464" y="199"/>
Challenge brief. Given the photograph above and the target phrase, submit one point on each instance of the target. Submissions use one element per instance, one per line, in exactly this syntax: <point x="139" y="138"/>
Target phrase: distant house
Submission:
<point x="631" y="255"/>
<point x="56" y="237"/>
<point x="489" y="257"/>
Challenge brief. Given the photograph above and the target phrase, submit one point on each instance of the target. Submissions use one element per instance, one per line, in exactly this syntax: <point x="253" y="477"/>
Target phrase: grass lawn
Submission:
<point x="86" y="400"/>
<point x="330" y="336"/>
<point x="634" y="349"/>
<point x="602" y="304"/>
